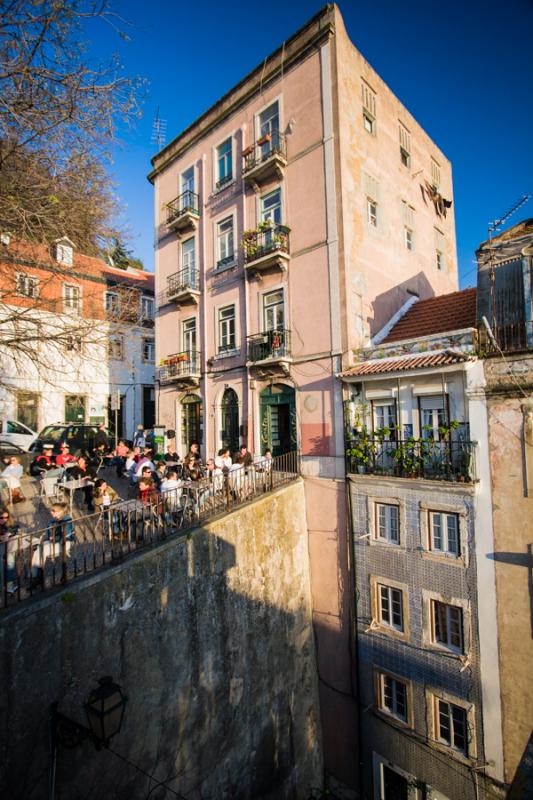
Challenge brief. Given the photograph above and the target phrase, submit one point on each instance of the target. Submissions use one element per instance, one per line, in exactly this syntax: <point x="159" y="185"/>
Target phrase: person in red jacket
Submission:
<point x="65" y="456"/>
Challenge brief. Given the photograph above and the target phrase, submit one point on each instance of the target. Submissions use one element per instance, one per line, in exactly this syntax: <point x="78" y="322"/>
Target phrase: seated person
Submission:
<point x="144" y="461"/>
<point x="223" y="460"/>
<point x="9" y="549"/>
<point x="60" y="525"/>
<point x="84" y="470"/>
<point x="171" y="482"/>
<point x="119" y="456"/>
<point x="12" y="475"/>
<point x="46" y="463"/>
<point x="65" y="457"/>
<point x="194" y="452"/>
<point x="133" y="458"/>
<point x="146" y="490"/>
<point x="192" y="470"/>
<point x="171" y="455"/>
<point x="243" y="457"/>
<point x="215" y="475"/>
<point x="103" y="494"/>
<point x="160" y="473"/>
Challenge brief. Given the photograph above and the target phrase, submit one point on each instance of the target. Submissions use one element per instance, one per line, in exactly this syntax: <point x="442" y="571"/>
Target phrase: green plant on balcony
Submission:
<point x="362" y="450"/>
<point x="249" y="243"/>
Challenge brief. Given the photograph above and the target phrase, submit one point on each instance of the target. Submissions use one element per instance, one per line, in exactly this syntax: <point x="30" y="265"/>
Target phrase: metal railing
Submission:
<point x="266" y="239"/>
<point x="413" y="458"/>
<point x="270" y="344"/>
<point x="181" y="365"/>
<point x="39" y="560"/>
<point x="263" y="149"/>
<point x="186" y="203"/>
<point x="516" y="336"/>
<point x="186" y="280"/>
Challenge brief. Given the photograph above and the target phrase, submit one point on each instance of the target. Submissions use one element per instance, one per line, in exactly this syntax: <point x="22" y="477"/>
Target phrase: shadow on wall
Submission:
<point x="385" y="305"/>
<point x="222" y="686"/>
<point x="519" y="560"/>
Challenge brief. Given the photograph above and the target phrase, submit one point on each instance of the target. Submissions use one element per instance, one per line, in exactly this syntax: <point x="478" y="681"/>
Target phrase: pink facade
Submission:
<point x="250" y="337"/>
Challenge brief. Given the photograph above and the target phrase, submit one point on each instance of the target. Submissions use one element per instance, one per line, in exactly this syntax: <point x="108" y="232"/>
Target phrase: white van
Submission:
<point x="16" y="433"/>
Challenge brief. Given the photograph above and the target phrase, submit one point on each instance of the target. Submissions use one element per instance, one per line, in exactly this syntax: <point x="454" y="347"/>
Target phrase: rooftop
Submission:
<point x="443" y="314"/>
<point x="377" y="366"/>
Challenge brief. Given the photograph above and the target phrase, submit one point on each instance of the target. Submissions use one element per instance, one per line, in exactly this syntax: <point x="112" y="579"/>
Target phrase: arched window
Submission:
<point x="230" y="420"/>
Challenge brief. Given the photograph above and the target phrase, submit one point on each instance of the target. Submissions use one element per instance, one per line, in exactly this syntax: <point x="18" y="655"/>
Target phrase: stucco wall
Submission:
<point x="513" y="541"/>
<point x="210" y="637"/>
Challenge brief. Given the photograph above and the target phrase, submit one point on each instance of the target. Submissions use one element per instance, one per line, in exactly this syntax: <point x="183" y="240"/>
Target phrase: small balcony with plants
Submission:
<point x="265" y="159"/>
<point x="183" y="212"/>
<point x="182" y="368"/>
<point x="266" y="247"/>
<point x="184" y="286"/>
<point x="270" y="351"/>
<point x="443" y="455"/>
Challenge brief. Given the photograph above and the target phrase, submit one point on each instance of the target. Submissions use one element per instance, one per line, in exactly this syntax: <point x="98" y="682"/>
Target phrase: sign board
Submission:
<point x="115" y="401"/>
<point x="159" y="438"/>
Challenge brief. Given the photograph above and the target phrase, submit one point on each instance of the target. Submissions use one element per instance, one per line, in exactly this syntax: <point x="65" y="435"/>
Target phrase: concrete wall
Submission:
<point x="210" y="637"/>
<point x="512" y="495"/>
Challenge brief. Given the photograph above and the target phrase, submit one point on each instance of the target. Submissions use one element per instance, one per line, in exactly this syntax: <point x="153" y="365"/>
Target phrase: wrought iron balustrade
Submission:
<point x="263" y="149"/>
<point x="445" y="459"/>
<point x="266" y="239"/>
<point x="186" y="203"/>
<point x="269" y="345"/>
<point x="181" y="365"/>
<point x="186" y="280"/>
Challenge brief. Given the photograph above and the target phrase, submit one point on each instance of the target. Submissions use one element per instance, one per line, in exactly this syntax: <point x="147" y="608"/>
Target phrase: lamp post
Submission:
<point x="105" y="713"/>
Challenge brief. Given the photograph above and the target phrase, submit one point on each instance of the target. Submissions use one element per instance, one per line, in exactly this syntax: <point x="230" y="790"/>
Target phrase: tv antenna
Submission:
<point x="495" y="226"/>
<point x="159" y="130"/>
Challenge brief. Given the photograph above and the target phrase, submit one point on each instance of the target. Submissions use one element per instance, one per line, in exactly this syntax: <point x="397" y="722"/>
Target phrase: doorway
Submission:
<point x="148" y="407"/>
<point x="75" y="408"/>
<point x="230" y="421"/>
<point x="191" y="420"/>
<point x="278" y="419"/>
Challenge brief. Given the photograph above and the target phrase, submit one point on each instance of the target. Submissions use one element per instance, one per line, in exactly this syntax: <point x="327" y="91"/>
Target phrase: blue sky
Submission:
<point x="463" y="68"/>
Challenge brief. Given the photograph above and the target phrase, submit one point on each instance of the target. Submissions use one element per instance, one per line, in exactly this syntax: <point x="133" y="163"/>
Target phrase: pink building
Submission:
<point x="294" y="218"/>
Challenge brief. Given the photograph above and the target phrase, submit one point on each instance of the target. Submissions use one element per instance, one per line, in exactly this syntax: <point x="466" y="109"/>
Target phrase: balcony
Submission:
<point x="184" y="286"/>
<point x="183" y="369"/>
<point x="183" y="212"/>
<point x="267" y="247"/>
<point x="443" y="460"/>
<point x="269" y="352"/>
<point x="265" y="160"/>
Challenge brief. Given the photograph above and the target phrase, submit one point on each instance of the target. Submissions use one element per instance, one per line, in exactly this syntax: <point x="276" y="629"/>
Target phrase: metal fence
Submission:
<point x="181" y="365"/>
<point x="269" y="239"/>
<point x="269" y="344"/>
<point x="37" y="561"/>
<point x="187" y="202"/>
<point x="264" y="148"/>
<point x="186" y="280"/>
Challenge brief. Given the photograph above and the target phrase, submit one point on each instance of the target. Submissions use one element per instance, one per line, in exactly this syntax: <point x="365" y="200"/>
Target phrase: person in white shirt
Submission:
<point x="223" y="460"/>
<point x="170" y="489"/>
<point x="13" y="472"/>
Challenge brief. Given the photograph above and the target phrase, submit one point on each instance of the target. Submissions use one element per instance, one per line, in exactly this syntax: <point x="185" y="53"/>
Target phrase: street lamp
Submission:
<point x="105" y="712"/>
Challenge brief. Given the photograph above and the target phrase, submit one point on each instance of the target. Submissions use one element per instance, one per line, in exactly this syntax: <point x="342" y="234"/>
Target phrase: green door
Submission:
<point x="278" y="419"/>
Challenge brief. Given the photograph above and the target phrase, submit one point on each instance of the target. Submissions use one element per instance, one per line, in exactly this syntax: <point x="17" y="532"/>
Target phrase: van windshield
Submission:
<point x="52" y="432"/>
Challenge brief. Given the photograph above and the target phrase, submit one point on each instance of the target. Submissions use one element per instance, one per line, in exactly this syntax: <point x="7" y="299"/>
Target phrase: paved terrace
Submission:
<point x="30" y="564"/>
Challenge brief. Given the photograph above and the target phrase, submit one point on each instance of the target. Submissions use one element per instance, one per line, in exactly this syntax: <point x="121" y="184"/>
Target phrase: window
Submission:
<point x="189" y="335"/>
<point x="116" y="348"/>
<point x="451" y="725"/>
<point x="388" y="523"/>
<point x="394" y="785"/>
<point x="268" y="130"/>
<point x="372" y="212"/>
<point x="112" y="303"/>
<point x="384" y="417"/>
<point x="369" y="108"/>
<point x="73" y="344"/>
<point x="271" y="207"/>
<point x="435" y="173"/>
<point x="432" y="416"/>
<point x="405" y="146"/>
<point x="224" y="163"/>
<point x="147" y="308"/>
<point x="226" y="329"/>
<point x="64" y="254"/>
<point x="225" y="251"/>
<point x="447" y="625"/>
<point x="148" y="349"/>
<point x="187" y="182"/>
<point x="390" y="607"/>
<point x="408" y="225"/>
<point x="188" y="262"/>
<point x="393" y="698"/>
<point x="71" y="297"/>
<point x="444" y="533"/>
<point x="27" y="285"/>
<point x="273" y="311"/>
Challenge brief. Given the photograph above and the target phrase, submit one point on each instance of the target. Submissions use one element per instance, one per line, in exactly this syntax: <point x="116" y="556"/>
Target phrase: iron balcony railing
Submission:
<point x="187" y="203"/>
<point x="270" y="344"/>
<point x="186" y="280"/>
<point x="34" y="562"/>
<point x="513" y="337"/>
<point x="181" y="365"/>
<point x="268" y="238"/>
<point x="225" y="181"/>
<point x="413" y="458"/>
<point x="263" y="149"/>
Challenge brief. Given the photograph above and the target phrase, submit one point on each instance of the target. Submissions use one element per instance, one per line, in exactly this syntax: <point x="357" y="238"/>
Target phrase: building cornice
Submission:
<point x="296" y="48"/>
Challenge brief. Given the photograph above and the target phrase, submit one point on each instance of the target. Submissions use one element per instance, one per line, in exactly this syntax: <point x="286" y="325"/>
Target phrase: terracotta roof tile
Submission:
<point x="442" y="358"/>
<point x="442" y="314"/>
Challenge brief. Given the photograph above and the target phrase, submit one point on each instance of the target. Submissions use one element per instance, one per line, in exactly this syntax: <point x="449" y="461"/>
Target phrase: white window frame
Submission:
<point x="450" y="610"/>
<point x="381" y="679"/>
<point x="379" y="763"/>
<point x="444" y="518"/>
<point x="185" y="329"/>
<point x="115" y="348"/>
<point x="67" y="304"/>
<point x="148" y="343"/>
<point x="147" y="299"/>
<point x="372" y="212"/>
<point x="218" y="252"/>
<point x="263" y="308"/>
<point x="64" y="254"/>
<point x="184" y="172"/>
<point x="387" y="523"/>
<point x="264" y="107"/>
<point x="442" y="705"/>
<point x="218" y="186"/>
<point x="408" y="236"/>
<point x="26" y="285"/>
<point x="435" y="173"/>
<point x="110" y="310"/>
<point x="192" y="269"/>
<point x="224" y="334"/>
<point x="386" y="593"/>
<point x="405" y="145"/>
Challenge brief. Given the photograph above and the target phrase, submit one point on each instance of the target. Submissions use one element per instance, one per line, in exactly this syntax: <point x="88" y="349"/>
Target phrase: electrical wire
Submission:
<point x="160" y="784"/>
